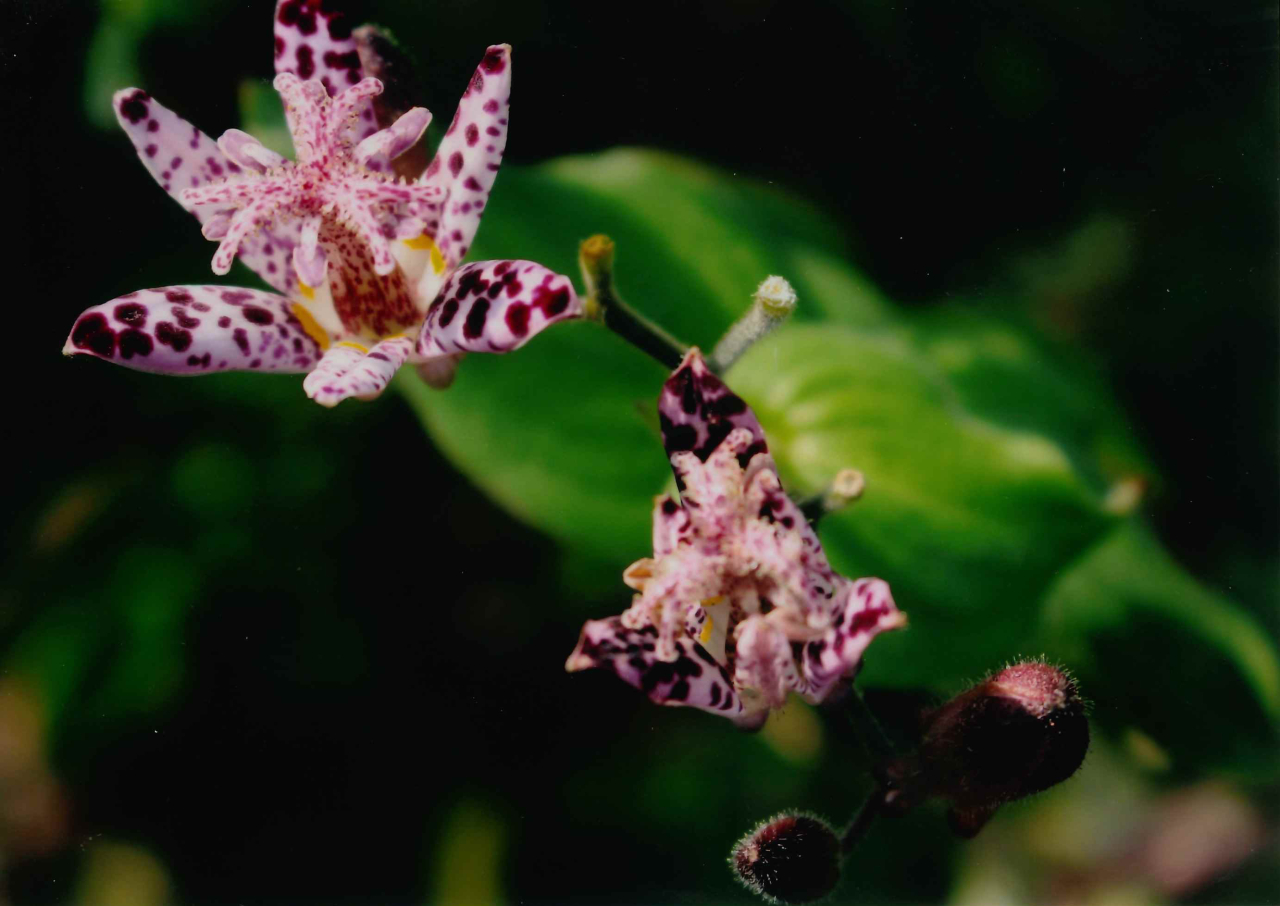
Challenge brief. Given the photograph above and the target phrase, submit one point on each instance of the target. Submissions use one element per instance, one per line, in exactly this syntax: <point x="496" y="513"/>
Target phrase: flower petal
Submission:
<point x="313" y="41"/>
<point x="866" y="609"/>
<point x="712" y="491"/>
<point x="179" y="156"/>
<point x="782" y="541"/>
<point x="764" y="661"/>
<point x="697" y="411"/>
<point x="693" y="678"/>
<point x="467" y="160"/>
<point x="175" y="152"/>
<point x="495" y="306"/>
<point x="196" y="330"/>
<point x="347" y="370"/>
<point x="670" y="524"/>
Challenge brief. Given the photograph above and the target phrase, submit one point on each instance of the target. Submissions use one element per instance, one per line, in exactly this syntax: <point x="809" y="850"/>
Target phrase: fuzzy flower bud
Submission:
<point x="791" y="858"/>
<point x="1020" y="732"/>
<point x="772" y="304"/>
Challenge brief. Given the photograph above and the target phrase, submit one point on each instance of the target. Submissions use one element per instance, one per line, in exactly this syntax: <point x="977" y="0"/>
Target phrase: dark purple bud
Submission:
<point x="791" y="858"/>
<point x="1020" y="732"/>
<point x="384" y="59"/>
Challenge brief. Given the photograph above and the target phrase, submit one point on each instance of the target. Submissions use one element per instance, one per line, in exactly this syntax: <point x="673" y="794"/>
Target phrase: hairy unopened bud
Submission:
<point x="772" y="304"/>
<point x="791" y="858"/>
<point x="1020" y="732"/>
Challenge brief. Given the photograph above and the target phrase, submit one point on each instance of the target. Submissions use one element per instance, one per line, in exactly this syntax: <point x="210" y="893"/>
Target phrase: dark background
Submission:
<point x="355" y="658"/>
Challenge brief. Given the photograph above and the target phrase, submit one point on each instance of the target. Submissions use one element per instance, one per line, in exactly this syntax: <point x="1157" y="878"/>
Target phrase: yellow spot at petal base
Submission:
<point x="307" y="292"/>
<point x="356" y="346"/>
<point x="707" y="628"/>
<point x="309" y="324"/>
<point x="426" y="242"/>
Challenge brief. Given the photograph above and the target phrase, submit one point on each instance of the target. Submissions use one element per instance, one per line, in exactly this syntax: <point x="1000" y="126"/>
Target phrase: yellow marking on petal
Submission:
<point x="426" y="242"/>
<point x="712" y="602"/>
<point x="363" y="349"/>
<point x="310" y="325"/>
<point x="307" y="291"/>
<point x="705" y="635"/>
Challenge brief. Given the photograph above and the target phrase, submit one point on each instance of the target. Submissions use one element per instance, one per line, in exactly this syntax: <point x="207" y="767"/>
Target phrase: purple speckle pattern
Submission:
<point x="179" y="156"/>
<point x="467" y="161"/>
<point x="739" y="582"/>
<point x="693" y="678"/>
<point x="696" y="411"/>
<point x="347" y="371"/>
<point x="333" y="231"/>
<point x="495" y="306"/>
<point x="196" y="330"/>
<point x="313" y="41"/>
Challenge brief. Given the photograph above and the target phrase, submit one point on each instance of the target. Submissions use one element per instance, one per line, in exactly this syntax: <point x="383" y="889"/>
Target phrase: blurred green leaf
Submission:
<point x="1158" y="651"/>
<point x="967" y="518"/>
<point x="983" y="452"/>
<point x="114" y="651"/>
<point x="553" y="433"/>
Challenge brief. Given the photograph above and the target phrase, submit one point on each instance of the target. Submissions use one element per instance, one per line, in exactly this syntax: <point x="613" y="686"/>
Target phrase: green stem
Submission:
<point x="595" y="256"/>
<point x="879" y="746"/>
<point x="862" y="820"/>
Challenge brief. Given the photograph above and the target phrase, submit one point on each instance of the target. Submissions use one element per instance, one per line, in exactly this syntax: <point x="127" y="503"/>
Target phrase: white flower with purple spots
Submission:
<point x="367" y="268"/>
<point x="738" y="605"/>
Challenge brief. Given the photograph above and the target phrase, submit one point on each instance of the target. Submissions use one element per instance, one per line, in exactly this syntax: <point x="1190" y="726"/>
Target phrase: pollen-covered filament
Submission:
<point x="333" y="183"/>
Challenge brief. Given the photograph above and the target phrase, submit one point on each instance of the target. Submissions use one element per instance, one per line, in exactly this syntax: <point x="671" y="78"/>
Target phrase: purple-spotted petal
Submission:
<point x="712" y="491"/>
<point x="175" y="152"/>
<point x="467" y="160"/>
<point x="179" y="156"/>
<point x="866" y="609"/>
<point x="670" y="524"/>
<point x="348" y="371"/>
<point x="785" y="545"/>
<point x="196" y="330"/>
<point x="313" y="41"/>
<point x="697" y="411"/>
<point x="693" y="678"/>
<point x="495" y="306"/>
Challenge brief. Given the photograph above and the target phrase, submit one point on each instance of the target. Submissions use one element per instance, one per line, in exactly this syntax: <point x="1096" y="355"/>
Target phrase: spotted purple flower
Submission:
<point x="738" y="605"/>
<point x="367" y="268"/>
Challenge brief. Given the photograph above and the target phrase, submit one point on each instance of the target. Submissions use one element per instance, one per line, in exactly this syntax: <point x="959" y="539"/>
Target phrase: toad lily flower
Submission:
<point x="738" y="605"/>
<point x="367" y="268"/>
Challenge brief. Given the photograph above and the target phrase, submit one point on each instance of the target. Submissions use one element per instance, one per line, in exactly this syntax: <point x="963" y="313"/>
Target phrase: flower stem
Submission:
<point x="595" y="256"/>
<point x="879" y="746"/>
<point x="862" y="820"/>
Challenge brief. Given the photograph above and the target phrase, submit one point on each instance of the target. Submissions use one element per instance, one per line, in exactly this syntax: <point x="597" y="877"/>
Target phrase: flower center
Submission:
<point x="349" y="208"/>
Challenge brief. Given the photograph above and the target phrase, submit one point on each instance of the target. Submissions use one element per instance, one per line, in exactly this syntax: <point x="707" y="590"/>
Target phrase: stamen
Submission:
<point x="216" y="226"/>
<point x="308" y="258"/>
<point x="248" y="152"/>
<point x="344" y="104"/>
<point x="397" y="138"/>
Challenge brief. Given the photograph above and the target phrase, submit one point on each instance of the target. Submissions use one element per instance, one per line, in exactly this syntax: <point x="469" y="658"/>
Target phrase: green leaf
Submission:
<point x="989" y="453"/>
<point x="1158" y="651"/>
<point x="977" y="496"/>
<point x="966" y="518"/>
<point x="553" y="433"/>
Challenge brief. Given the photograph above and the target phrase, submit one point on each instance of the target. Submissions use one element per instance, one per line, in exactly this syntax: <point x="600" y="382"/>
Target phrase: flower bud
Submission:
<point x="791" y="858"/>
<point x="1018" y="733"/>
